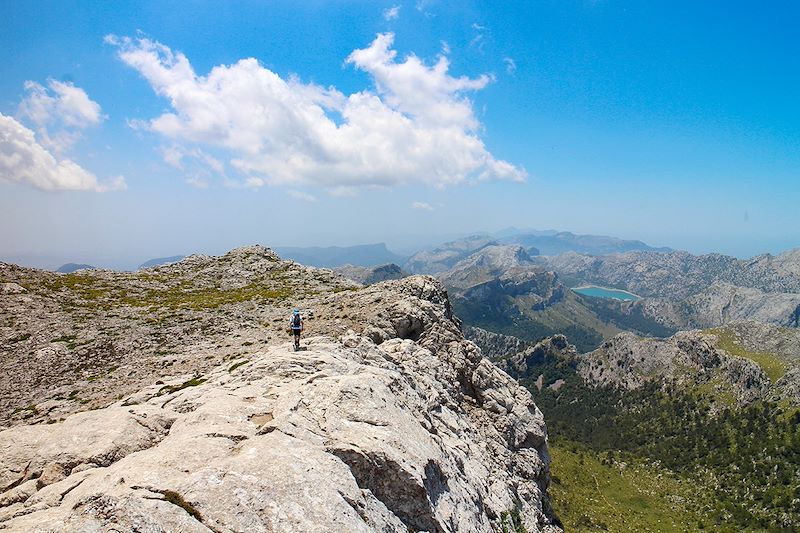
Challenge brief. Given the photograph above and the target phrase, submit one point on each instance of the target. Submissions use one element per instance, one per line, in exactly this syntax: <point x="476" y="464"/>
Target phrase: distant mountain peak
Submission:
<point x="69" y="268"/>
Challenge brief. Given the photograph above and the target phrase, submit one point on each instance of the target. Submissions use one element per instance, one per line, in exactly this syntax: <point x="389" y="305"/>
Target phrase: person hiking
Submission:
<point x="296" y="325"/>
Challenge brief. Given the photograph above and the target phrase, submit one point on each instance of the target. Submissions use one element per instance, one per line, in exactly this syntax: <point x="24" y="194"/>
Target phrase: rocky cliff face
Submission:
<point x="388" y="420"/>
<point x="735" y="365"/>
<point x="494" y="345"/>
<point x="684" y="291"/>
<point x="678" y="275"/>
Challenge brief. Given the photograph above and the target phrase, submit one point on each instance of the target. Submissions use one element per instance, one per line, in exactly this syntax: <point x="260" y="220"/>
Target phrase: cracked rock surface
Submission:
<point x="395" y="424"/>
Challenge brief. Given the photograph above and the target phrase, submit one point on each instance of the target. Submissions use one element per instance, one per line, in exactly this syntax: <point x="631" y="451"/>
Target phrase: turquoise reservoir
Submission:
<point x="604" y="292"/>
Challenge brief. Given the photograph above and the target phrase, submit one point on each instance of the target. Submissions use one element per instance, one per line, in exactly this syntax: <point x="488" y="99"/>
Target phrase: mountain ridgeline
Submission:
<point x="677" y="410"/>
<point x="509" y="290"/>
<point x="168" y="399"/>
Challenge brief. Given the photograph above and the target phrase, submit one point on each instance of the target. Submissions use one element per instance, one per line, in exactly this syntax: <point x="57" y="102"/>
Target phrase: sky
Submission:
<point x="144" y="129"/>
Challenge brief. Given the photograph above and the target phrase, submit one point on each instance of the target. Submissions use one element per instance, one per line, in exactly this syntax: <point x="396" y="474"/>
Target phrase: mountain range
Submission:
<point x="365" y="255"/>
<point x="68" y="268"/>
<point x="401" y="400"/>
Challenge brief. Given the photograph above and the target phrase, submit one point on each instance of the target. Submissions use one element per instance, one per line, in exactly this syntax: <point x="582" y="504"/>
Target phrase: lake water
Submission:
<point x="604" y="292"/>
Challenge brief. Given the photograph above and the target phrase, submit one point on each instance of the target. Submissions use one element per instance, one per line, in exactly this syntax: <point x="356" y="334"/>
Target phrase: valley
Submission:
<point x="662" y="413"/>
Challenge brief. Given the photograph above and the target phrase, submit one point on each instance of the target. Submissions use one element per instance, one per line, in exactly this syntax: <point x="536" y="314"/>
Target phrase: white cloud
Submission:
<point x="197" y="167"/>
<point x="511" y="65"/>
<point x="391" y="13"/>
<point x="479" y="41"/>
<point x="63" y="102"/>
<point x="417" y="126"/>
<point x="300" y="195"/>
<point x="24" y="160"/>
<point x="59" y="111"/>
<point x="422" y="206"/>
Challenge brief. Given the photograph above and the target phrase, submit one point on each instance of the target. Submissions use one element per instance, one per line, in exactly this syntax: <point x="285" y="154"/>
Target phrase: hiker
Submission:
<point x="296" y="324"/>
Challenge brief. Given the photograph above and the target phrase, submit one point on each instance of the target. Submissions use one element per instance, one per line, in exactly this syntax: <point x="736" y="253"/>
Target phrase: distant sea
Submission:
<point x="604" y="292"/>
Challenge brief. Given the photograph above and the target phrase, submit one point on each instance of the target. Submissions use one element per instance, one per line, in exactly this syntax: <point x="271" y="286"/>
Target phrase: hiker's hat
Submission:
<point x="296" y="311"/>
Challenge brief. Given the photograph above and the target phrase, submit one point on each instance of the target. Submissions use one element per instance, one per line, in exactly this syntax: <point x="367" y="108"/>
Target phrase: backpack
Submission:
<point x="296" y="321"/>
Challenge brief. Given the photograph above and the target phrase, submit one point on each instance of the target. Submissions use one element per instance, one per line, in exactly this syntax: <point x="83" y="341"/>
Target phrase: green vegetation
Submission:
<point x="20" y="338"/>
<point x="169" y="389"/>
<point x="516" y="316"/>
<point x="746" y="457"/>
<point x="29" y="410"/>
<point x="594" y="491"/>
<point x="64" y="339"/>
<point x="772" y="365"/>
<point x="236" y="365"/>
<point x="94" y="292"/>
<point x="511" y="521"/>
<point x="625" y="315"/>
<point x="342" y="289"/>
<point x="210" y="298"/>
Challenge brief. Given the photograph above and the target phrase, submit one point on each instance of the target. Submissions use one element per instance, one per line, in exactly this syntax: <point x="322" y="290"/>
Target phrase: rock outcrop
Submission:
<point x="494" y="345"/>
<point x="390" y="421"/>
<point x="735" y="365"/>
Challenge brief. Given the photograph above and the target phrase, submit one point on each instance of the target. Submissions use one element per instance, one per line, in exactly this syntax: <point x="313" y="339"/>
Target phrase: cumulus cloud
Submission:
<point x="24" y="160"/>
<point x="391" y="13"/>
<point x="62" y="102"/>
<point x="59" y="111"/>
<point x="422" y="206"/>
<point x="416" y="126"/>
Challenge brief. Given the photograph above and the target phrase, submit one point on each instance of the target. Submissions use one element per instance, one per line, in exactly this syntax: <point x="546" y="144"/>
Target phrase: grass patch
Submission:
<point x="20" y="338"/>
<point x="169" y="389"/>
<point x="237" y="365"/>
<point x="71" y="341"/>
<point x="593" y="491"/>
<point x="211" y="297"/>
<point x="716" y="390"/>
<point x="343" y="289"/>
<point x="96" y="293"/>
<point x="511" y="522"/>
<point x="31" y="410"/>
<point x="772" y="365"/>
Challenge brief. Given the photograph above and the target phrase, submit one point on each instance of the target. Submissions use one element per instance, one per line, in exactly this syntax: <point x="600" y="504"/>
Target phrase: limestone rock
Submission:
<point x="390" y="421"/>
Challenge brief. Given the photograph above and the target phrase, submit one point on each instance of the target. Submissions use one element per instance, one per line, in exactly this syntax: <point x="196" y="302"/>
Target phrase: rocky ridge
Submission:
<point x="443" y="257"/>
<point x="683" y="291"/>
<point x="388" y="420"/>
<point x="735" y="365"/>
<point x="487" y="264"/>
<point x="678" y="275"/>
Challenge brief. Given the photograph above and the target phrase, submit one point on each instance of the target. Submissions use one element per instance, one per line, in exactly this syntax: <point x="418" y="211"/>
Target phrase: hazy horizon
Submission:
<point x="134" y="131"/>
<point x="401" y="245"/>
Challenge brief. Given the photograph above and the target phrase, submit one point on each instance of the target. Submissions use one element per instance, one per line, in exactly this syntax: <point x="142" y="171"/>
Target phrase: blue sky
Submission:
<point x="677" y="123"/>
